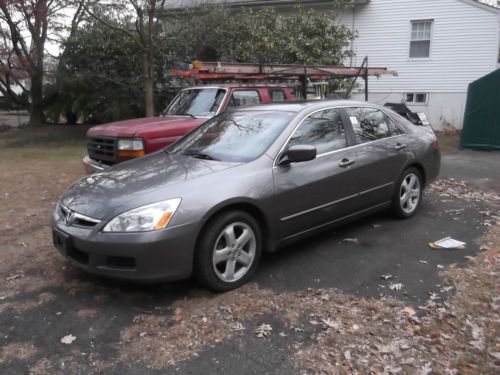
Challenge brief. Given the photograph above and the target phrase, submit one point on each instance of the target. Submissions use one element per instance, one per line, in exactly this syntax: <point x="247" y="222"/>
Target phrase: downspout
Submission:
<point x="353" y="29"/>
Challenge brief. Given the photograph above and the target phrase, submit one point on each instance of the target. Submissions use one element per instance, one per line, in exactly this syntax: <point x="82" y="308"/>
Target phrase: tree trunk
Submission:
<point x="36" y="105"/>
<point x="149" y="60"/>
<point x="148" y="83"/>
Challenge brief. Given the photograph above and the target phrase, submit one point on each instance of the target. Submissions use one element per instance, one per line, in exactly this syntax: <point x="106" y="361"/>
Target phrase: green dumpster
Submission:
<point x="482" y="114"/>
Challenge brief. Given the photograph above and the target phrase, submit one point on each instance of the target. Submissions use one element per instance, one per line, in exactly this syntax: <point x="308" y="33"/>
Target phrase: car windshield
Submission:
<point x="196" y="102"/>
<point x="234" y="137"/>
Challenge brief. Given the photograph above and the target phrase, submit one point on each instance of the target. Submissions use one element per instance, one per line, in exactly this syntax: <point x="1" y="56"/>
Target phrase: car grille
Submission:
<point x="76" y="218"/>
<point x="102" y="148"/>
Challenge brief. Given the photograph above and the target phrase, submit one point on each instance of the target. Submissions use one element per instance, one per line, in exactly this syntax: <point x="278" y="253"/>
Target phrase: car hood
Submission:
<point x="141" y="126"/>
<point x="135" y="183"/>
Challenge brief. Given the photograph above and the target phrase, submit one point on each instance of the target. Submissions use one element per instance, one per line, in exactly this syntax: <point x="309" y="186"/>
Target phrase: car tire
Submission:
<point x="228" y="251"/>
<point x="408" y="194"/>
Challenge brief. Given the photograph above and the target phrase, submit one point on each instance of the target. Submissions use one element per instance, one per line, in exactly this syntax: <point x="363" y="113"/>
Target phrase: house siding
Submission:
<point x="464" y="44"/>
<point x="464" y="47"/>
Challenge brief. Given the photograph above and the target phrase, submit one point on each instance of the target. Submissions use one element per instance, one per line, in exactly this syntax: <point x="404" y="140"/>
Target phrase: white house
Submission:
<point x="437" y="47"/>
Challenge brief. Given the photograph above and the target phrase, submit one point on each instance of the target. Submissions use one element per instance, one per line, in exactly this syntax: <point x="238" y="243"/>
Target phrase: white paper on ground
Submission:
<point x="449" y="243"/>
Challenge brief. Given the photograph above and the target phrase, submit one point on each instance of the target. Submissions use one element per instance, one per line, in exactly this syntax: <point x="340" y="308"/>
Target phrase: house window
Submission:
<point x="416" y="98"/>
<point x="420" y="42"/>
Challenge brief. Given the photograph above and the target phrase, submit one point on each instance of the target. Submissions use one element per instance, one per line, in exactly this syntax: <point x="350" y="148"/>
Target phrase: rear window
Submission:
<point x="244" y="97"/>
<point x="402" y="121"/>
<point x="277" y="95"/>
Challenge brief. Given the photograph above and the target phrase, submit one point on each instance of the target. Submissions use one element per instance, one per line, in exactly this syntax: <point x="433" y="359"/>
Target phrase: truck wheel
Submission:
<point x="408" y="194"/>
<point x="228" y="251"/>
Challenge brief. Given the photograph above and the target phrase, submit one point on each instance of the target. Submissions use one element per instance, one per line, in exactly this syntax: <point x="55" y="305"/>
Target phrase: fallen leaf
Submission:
<point x="426" y="369"/>
<point x="331" y="323"/>
<point x="263" y="330"/>
<point x="15" y="276"/>
<point x="495" y="355"/>
<point x="397" y="286"/>
<point x="237" y="327"/>
<point x="409" y="310"/>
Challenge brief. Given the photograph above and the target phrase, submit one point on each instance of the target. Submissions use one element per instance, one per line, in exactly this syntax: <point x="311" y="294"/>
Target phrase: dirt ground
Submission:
<point x="57" y="319"/>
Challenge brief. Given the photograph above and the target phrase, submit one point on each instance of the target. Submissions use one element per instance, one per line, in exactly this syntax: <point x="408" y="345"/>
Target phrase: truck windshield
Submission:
<point x="196" y="102"/>
<point x="234" y="137"/>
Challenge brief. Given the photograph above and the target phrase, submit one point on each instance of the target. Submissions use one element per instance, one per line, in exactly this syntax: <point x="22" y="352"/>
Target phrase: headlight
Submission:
<point x="144" y="219"/>
<point x="132" y="144"/>
<point x="131" y="147"/>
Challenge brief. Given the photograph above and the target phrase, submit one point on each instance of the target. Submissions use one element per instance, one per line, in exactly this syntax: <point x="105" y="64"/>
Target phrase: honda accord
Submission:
<point x="246" y="181"/>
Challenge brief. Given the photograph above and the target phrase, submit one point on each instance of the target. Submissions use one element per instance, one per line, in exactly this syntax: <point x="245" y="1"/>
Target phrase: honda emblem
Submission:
<point x="69" y="218"/>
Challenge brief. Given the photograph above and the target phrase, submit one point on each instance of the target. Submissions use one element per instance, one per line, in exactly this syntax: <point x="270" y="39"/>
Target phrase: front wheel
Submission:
<point x="228" y="251"/>
<point x="408" y="194"/>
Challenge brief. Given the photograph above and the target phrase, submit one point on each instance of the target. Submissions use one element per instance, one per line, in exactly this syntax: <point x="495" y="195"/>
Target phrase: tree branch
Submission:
<point x="108" y="24"/>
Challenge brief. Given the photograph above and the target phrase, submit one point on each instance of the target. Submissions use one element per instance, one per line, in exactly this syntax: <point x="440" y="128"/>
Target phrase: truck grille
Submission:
<point x="101" y="148"/>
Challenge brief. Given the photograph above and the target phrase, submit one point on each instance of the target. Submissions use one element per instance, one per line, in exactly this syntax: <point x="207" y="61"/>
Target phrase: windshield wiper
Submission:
<point x="199" y="155"/>
<point x="186" y="114"/>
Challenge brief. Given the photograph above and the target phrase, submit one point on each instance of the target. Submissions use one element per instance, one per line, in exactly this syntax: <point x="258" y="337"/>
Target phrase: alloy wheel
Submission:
<point x="409" y="193"/>
<point x="234" y="251"/>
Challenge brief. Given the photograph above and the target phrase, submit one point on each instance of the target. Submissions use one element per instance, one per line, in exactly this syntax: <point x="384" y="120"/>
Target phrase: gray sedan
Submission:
<point x="247" y="181"/>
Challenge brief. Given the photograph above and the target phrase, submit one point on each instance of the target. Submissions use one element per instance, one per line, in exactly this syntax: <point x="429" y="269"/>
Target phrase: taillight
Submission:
<point x="435" y="144"/>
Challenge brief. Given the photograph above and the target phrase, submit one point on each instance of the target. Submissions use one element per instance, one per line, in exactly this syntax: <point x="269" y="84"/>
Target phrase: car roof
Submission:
<point x="302" y="105"/>
<point x="238" y="85"/>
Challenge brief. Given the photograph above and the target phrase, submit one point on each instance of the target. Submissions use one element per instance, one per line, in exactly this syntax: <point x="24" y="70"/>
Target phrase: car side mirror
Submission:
<point x="298" y="153"/>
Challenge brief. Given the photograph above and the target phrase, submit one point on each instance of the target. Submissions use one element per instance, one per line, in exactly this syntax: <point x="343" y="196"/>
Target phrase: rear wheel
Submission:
<point x="228" y="251"/>
<point x="408" y="194"/>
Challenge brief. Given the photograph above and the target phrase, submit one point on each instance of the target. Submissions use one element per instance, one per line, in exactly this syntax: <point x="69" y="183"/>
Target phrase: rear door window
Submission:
<point x="244" y="97"/>
<point x="323" y="129"/>
<point x="277" y="95"/>
<point x="370" y="124"/>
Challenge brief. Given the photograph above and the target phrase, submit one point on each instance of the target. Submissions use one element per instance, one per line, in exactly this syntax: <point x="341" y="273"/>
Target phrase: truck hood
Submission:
<point x="136" y="183"/>
<point x="147" y="125"/>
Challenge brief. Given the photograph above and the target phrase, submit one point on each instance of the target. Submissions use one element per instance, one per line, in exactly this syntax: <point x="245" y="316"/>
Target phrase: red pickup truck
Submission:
<point x="119" y="141"/>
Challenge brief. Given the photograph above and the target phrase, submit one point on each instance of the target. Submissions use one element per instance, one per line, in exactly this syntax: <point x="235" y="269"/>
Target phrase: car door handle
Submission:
<point x="400" y="146"/>
<point x="346" y="162"/>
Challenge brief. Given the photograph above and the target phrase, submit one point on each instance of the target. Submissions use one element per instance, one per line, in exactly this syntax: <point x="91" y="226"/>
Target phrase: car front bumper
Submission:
<point x="163" y="255"/>
<point x="92" y="166"/>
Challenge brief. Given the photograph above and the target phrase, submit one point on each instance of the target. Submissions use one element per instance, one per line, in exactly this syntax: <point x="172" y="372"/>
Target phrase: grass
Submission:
<point x="68" y="141"/>
<point x="44" y="141"/>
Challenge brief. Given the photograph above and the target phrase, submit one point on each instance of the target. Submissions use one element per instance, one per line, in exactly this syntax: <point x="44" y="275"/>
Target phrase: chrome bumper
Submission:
<point x="92" y="166"/>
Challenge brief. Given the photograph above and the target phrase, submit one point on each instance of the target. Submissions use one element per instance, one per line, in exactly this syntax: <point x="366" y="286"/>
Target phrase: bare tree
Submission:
<point x="24" y="30"/>
<point x="145" y="26"/>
